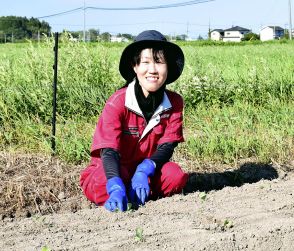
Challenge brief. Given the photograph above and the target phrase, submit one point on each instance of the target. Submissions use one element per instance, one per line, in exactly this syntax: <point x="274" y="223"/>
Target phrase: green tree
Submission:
<point x="251" y="36"/>
<point x="105" y="36"/>
<point x="127" y="36"/>
<point x="17" y="28"/>
<point x="182" y="37"/>
<point x="286" y="35"/>
<point x="76" y="34"/>
<point x="93" y="35"/>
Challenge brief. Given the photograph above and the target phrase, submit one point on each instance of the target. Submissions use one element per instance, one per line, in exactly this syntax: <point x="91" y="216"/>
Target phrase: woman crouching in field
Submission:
<point x="139" y="128"/>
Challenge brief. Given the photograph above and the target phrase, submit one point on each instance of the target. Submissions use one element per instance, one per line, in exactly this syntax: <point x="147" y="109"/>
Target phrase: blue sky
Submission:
<point x="193" y="20"/>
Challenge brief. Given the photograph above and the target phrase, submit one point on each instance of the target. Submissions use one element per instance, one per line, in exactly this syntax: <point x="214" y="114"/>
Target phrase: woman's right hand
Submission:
<point x="117" y="195"/>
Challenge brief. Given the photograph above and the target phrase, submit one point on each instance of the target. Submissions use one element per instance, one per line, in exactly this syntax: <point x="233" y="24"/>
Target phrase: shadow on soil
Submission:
<point x="247" y="173"/>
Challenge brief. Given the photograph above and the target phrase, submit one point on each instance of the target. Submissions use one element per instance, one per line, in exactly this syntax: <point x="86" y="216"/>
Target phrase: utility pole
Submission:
<point x="187" y="30"/>
<point x="84" y="33"/>
<point x="290" y="21"/>
<point x="209" y="29"/>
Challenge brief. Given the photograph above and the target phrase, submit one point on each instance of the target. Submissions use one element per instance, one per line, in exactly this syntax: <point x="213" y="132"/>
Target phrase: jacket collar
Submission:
<point x="132" y="103"/>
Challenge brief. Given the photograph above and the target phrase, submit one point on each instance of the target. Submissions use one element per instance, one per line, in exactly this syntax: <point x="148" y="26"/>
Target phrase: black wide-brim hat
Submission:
<point x="152" y="39"/>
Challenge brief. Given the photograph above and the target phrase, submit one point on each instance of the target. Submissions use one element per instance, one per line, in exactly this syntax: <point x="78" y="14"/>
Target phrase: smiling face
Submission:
<point x="151" y="70"/>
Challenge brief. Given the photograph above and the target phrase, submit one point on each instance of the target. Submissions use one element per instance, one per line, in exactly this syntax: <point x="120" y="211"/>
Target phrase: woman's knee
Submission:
<point x="170" y="180"/>
<point x="93" y="184"/>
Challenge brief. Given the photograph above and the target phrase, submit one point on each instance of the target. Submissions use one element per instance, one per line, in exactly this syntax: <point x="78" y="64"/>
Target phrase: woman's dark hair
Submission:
<point x="158" y="54"/>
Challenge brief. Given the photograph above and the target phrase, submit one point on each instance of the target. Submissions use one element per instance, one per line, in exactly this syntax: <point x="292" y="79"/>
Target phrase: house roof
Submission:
<point x="273" y="27"/>
<point x="237" y="28"/>
<point x="219" y="30"/>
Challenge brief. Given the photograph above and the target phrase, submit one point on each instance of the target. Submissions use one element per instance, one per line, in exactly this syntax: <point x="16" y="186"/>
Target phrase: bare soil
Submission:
<point x="246" y="207"/>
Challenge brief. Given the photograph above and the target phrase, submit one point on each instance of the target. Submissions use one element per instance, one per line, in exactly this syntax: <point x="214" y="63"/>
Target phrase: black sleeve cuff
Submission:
<point x="163" y="153"/>
<point x="111" y="162"/>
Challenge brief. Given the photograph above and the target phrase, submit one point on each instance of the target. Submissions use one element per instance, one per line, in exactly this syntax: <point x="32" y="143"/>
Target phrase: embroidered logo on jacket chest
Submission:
<point x="166" y="115"/>
<point x="131" y="131"/>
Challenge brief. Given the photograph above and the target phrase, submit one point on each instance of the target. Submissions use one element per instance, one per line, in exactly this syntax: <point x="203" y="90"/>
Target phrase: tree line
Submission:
<point x="14" y="28"/>
<point x="94" y="35"/>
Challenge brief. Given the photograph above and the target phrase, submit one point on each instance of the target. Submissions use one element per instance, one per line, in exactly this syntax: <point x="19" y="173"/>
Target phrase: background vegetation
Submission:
<point x="13" y="28"/>
<point x="239" y="98"/>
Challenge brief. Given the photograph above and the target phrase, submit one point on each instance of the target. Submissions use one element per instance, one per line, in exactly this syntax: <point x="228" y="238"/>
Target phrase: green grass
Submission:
<point x="229" y="133"/>
<point x="239" y="98"/>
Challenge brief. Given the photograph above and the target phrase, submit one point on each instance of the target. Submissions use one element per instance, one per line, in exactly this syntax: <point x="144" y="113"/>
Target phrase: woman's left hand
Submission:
<point x="140" y="184"/>
<point x="139" y="188"/>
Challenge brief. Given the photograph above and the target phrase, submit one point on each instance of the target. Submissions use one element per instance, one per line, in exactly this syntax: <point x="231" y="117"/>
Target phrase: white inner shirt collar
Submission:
<point x="132" y="103"/>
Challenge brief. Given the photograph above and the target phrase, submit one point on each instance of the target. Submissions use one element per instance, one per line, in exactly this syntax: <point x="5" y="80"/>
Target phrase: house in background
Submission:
<point x="235" y="34"/>
<point x="118" y="39"/>
<point x="271" y="33"/>
<point x="217" y="34"/>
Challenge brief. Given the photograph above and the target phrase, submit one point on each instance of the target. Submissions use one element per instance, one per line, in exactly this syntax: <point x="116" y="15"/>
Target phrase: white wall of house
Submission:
<point x="234" y="36"/>
<point x="266" y="33"/>
<point x="269" y="33"/>
<point x="118" y="39"/>
<point x="115" y="39"/>
<point x="215" y="35"/>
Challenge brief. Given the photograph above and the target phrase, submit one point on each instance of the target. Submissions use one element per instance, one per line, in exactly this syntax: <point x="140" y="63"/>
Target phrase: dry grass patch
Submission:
<point x="38" y="185"/>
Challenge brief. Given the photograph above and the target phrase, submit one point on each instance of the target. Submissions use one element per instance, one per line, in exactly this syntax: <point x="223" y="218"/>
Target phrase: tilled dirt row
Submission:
<point x="255" y="216"/>
<point x="42" y="205"/>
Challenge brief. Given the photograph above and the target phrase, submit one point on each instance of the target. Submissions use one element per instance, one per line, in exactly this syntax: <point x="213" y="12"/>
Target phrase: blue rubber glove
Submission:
<point x="117" y="195"/>
<point x="139" y="186"/>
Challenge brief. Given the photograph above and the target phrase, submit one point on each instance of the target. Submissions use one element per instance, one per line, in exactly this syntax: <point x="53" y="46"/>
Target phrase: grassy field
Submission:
<point x="239" y="98"/>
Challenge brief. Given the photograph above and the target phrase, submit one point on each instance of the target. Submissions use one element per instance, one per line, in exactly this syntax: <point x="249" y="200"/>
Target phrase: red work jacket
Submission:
<point x="123" y="127"/>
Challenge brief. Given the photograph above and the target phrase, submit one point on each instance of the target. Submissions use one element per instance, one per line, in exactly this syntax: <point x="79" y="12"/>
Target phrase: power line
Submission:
<point x="129" y="9"/>
<point x="62" y="13"/>
<point x="155" y="7"/>
<point x="134" y="24"/>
